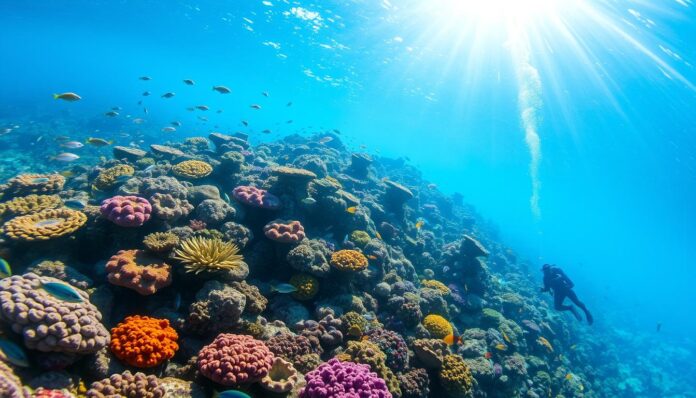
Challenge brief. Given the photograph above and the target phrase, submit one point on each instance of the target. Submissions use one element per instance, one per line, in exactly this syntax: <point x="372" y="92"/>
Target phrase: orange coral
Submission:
<point x="143" y="342"/>
<point x="137" y="270"/>
<point x="349" y="260"/>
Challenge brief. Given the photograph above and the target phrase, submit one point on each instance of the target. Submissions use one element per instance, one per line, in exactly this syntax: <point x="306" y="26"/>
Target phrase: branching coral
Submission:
<point x="143" y="342"/>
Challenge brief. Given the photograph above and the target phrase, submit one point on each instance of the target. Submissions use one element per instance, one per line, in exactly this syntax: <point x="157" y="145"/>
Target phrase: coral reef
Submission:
<point x="126" y="384"/>
<point x="25" y="184"/>
<point x="107" y="178"/>
<point x="281" y="378"/>
<point x="192" y="169"/>
<point x="168" y="207"/>
<point x="137" y="270"/>
<point x="284" y="231"/>
<point x="336" y="379"/>
<point x="256" y="197"/>
<point x="437" y="326"/>
<point x="126" y="211"/>
<point x="233" y="359"/>
<point x="23" y="205"/>
<point x="44" y="225"/>
<point x="349" y="260"/>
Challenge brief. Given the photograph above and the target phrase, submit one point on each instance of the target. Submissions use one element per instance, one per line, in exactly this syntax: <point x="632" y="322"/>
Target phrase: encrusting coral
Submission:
<point x="45" y="225"/>
<point x="143" y="342"/>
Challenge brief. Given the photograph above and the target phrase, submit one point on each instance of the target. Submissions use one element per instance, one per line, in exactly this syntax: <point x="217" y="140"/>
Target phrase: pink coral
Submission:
<point x="233" y="359"/>
<point x="256" y="197"/>
<point x="284" y="231"/>
<point x="126" y="211"/>
<point x="137" y="270"/>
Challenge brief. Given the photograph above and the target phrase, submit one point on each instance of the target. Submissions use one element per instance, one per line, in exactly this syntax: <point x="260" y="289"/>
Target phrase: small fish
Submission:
<point x="432" y="186"/>
<point x="168" y="95"/>
<point x="145" y="111"/>
<point x="76" y="204"/>
<point x="445" y="269"/>
<point x="255" y="106"/>
<point x="222" y="89"/>
<point x="245" y="123"/>
<point x="13" y="353"/>
<point x="72" y="145"/>
<point x="67" y="173"/>
<point x="5" y="269"/>
<point x="138" y="120"/>
<point x="378" y="236"/>
<point x="177" y="301"/>
<point x="145" y="78"/>
<point x="265" y="93"/>
<point x="150" y="168"/>
<point x="419" y="224"/>
<point x="203" y="118"/>
<point x="202" y="107"/>
<point x="189" y="82"/>
<point x="452" y="339"/>
<point x="372" y="257"/>
<point x="231" y="394"/>
<point x="505" y="337"/>
<point x="337" y="131"/>
<point x="569" y="376"/>
<point x="218" y="111"/>
<point x="488" y="355"/>
<point x="500" y="347"/>
<point x="66" y="157"/>
<point x="146" y="93"/>
<point x="62" y="291"/>
<point x="267" y="131"/>
<point x="325" y="140"/>
<point x="70" y="97"/>
<point x="176" y="123"/>
<point x="309" y="201"/>
<point x="288" y="121"/>
<point x="168" y="129"/>
<point x="352" y="209"/>
<point x="284" y="288"/>
<point x="226" y="197"/>
<point x="289" y="104"/>
<point x="111" y="113"/>
<point x="98" y="142"/>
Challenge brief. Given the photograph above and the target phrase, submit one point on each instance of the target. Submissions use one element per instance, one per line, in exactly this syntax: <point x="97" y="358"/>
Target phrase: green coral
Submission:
<point x="491" y="318"/>
<point x="369" y="353"/>
<point x="456" y="378"/>
<point x="232" y="161"/>
<point x="354" y="323"/>
<point x="144" y="163"/>
<point x="360" y="238"/>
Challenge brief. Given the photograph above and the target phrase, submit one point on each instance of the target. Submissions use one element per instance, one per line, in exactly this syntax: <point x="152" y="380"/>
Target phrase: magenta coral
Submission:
<point x="233" y="359"/>
<point x="336" y="379"/>
<point x="126" y="211"/>
<point x="256" y="197"/>
<point x="284" y="231"/>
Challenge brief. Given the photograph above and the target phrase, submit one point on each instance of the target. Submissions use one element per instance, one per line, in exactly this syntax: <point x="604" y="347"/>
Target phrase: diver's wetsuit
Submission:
<point x="556" y="280"/>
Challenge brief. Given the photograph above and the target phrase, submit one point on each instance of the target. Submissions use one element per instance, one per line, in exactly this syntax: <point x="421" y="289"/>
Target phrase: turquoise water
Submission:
<point x="570" y="127"/>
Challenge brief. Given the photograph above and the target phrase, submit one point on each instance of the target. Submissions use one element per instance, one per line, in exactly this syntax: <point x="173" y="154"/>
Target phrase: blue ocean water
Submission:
<point x="570" y="125"/>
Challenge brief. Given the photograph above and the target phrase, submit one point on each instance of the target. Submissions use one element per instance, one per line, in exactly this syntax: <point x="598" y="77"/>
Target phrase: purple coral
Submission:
<point x="47" y="323"/>
<point x="127" y="384"/>
<point x="392" y="344"/>
<point x="256" y="197"/>
<point x="126" y="211"/>
<point x="327" y="330"/>
<point x="10" y="384"/>
<point x="336" y="379"/>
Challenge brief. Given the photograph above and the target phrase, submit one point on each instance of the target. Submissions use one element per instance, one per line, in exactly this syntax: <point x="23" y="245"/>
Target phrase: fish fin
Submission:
<point x="55" y="96"/>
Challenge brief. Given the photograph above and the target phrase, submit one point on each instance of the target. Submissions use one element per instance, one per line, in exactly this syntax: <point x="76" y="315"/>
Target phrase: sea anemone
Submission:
<point x="200" y="254"/>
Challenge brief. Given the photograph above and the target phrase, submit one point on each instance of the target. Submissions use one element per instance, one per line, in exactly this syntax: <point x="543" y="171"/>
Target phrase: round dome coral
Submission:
<point x="349" y="260"/>
<point x="336" y="379"/>
<point x="284" y="231"/>
<point x="192" y="169"/>
<point x="143" y="342"/>
<point x="233" y="359"/>
<point x="255" y="197"/>
<point x="126" y="211"/>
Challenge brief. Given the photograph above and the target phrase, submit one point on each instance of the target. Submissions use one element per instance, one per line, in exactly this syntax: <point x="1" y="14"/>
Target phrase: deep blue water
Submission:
<point x="608" y="89"/>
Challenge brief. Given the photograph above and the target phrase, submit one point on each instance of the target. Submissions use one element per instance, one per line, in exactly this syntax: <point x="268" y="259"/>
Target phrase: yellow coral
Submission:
<point x="107" y="178"/>
<point x="35" y="183"/>
<point x="349" y="260"/>
<point x="354" y="323"/>
<point x="192" y="169"/>
<point x="456" y="378"/>
<point x="201" y="254"/>
<point x="29" y="204"/>
<point x="360" y="238"/>
<point x="438" y="326"/>
<point x="44" y="225"/>
<point x="161" y="241"/>
<point x="436" y="285"/>
<point x="307" y="286"/>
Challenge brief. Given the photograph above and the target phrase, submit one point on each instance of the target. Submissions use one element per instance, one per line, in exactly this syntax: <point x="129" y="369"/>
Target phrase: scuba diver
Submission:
<point x="557" y="281"/>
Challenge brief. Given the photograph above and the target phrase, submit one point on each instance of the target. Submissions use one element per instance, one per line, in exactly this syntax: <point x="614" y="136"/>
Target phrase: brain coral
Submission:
<point x="336" y="379"/>
<point x="126" y="384"/>
<point x="437" y="326"/>
<point x="233" y="359"/>
<point x="29" y="204"/>
<point x="24" y="184"/>
<point x="307" y="286"/>
<point x="256" y="197"/>
<point x="349" y="260"/>
<point x="192" y="169"/>
<point x="160" y="242"/>
<point x="201" y="254"/>
<point x="137" y="270"/>
<point x="126" y="211"/>
<point x="44" y="225"/>
<point x="47" y="323"/>
<point x="107" y="178"/>
<point x="284" y="231"/>
<point x="167" y="207"/>
<point x="456" y="378"/>
<point x="143" y="342"/>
